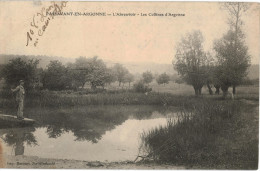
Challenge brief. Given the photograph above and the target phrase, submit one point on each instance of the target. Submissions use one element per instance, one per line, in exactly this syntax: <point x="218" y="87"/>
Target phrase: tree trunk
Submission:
<point x="217" y="90"/>
<point x="196" y="91"/>
<point x="210" y="90"/>
<point x="225" y="91"/>
<point x="93" y="87"/>
<point x="119" y="83"/>
<point x="217" y="87"/>
<point x="83" y="84"/>
<point x="234" y="89"/>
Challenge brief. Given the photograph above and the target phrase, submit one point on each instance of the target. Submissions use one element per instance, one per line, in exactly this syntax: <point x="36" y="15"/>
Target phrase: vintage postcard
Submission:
<point x="129" y="85"/>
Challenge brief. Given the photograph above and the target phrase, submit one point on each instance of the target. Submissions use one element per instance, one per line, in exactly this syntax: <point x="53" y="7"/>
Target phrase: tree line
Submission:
<point x="226" y="66"/>
<point x="57" y="76"/>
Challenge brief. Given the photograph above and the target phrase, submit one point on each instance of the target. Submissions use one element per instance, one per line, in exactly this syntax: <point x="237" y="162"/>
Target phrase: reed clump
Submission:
<point x="208" y="136"/>
<point x="69" y="99"/>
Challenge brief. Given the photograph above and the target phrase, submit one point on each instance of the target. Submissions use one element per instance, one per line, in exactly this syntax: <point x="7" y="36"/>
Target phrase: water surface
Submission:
<point x="107" y="133"/>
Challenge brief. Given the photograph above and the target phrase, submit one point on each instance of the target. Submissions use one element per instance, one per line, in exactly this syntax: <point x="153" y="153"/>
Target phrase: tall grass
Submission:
<point x="169" y="95"/>
<point x="206" y="136"/>
<point x="65" y="99"/>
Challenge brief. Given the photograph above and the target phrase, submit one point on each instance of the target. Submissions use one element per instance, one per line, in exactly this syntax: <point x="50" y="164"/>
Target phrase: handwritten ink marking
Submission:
<point x="33" y="22"/>
<point x="41" y="21"/>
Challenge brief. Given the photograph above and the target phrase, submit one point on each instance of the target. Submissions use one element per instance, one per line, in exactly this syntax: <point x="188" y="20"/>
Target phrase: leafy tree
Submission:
<point x="38" y="81"/>
<point x="20" y="69"/>
<point x="76" y="76"/>
<point x="236" y="10"/>
<point x="191" y="61"/>
<point x="210" y="74"/>
<point x="179" y="81"/>
<point x="56" y="76"/>
<point x="163" y="79"/>
<point x="1" y="70"/>
<point x="140" y="87"/>
<point x="147" y="77"/>
<point x="212" y="80"/>
<point x="232" y="62"/>
<point x="120" y="72"/>
<point x="129" y="78"/>
<point x="81" y="70"/>
<point x="211" y="77"/>
<point x="92" y="70"/>
<point x="232" y="53"/>
<point x="97" y="72"/>
<point x="110" y="76"/>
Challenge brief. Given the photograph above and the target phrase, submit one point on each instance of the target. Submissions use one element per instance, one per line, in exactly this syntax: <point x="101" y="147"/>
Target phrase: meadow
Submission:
<point x="172" y="94"/>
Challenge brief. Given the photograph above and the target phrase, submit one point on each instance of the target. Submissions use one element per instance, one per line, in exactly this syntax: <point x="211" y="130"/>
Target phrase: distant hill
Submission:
<point x="139" y="68"/>
<point x="133" y="67"/>
<point x="44" y="60"/>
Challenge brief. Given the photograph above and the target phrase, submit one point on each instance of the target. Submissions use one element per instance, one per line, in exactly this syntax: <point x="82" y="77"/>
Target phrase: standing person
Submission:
<point x="19" y="90"/>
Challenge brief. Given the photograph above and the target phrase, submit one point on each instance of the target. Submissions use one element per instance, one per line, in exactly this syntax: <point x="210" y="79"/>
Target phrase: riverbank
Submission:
<point x="214" y="136"/>
<point x="25" y="162"/>
<point x="63" y="99"/>
<point x="227" y="128"/>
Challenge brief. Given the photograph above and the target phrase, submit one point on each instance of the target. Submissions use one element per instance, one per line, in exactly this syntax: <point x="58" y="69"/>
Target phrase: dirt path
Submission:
<point x="35" y="162"/>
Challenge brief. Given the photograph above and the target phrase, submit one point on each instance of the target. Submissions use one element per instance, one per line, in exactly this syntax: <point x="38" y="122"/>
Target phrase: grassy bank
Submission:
<point x="63" y="99"/>
<point x="168" y="95"/>
<point x="221" y="135"/>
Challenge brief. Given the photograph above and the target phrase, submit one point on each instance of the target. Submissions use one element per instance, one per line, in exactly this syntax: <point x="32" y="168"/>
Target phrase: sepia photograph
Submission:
<point x="129" y="85"/>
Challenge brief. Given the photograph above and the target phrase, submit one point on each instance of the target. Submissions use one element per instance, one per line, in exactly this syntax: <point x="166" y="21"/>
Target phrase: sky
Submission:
<point x="120" y="39"/>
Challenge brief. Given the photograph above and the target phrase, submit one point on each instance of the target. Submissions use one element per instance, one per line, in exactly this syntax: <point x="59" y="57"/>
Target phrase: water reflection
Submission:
<point x="89" y="123"/>
<point x="86" y="125"/>
<point x="18" y="137"/>
<point x="87" y="133"/>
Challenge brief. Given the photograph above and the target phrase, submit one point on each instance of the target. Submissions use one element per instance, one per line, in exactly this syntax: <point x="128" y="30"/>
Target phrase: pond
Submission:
<point x="93" y="133"/>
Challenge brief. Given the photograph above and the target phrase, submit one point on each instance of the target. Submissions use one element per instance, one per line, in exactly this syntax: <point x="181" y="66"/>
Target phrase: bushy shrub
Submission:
<point x="91" y="91"/>
<point x="139" y="87"/>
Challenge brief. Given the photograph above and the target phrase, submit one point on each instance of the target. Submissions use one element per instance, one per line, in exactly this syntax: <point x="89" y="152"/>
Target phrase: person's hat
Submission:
<point x="21" y="81"/>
